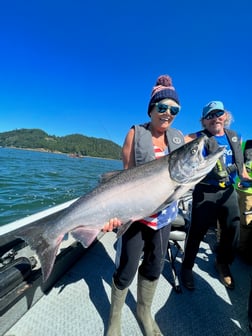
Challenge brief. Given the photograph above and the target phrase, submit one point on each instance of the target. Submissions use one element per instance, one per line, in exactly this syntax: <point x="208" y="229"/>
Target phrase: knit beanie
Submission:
<point x="162" y="90"/>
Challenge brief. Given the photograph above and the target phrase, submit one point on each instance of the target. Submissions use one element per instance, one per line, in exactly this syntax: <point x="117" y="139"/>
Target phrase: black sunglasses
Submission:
<point x="162" y="108"/>
<point x="216" y="114"/>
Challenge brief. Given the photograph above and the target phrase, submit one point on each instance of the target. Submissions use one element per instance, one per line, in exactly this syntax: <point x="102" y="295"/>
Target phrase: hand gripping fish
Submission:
<point x="129" y="195"/>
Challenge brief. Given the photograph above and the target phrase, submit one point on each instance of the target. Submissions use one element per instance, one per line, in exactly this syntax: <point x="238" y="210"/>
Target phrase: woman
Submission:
<point x="148" y="236"/>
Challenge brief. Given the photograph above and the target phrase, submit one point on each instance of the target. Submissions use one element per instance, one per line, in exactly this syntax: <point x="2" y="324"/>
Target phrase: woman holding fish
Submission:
<point x="149" y="236"/>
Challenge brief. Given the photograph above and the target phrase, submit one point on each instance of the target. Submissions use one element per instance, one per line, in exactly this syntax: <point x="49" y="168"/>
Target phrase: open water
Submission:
<point x="34" y="181"/>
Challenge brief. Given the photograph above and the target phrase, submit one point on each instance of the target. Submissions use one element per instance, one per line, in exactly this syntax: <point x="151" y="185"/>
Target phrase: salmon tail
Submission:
<point x="45" y="248"/>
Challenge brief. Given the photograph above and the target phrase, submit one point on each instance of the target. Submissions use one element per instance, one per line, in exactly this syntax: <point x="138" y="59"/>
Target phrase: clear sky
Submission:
<point x="88" y="67"/>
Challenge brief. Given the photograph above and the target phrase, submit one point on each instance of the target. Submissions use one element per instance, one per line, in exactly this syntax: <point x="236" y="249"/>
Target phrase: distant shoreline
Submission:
<point x="71" y="155"/>
<point x="36" y="150"/>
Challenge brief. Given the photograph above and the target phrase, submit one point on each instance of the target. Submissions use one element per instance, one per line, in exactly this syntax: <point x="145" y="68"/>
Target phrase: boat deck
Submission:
<point x="78" y="304"/>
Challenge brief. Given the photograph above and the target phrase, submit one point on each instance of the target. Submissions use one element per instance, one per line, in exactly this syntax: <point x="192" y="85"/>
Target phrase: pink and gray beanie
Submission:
<point x="162" y="90"/>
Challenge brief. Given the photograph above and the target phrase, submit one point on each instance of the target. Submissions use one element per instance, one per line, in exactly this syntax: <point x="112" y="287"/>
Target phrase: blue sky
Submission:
<point x="88" y="67"/>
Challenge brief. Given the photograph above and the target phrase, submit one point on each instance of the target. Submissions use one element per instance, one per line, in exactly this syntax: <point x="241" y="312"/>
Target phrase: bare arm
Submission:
<point x="128" y="153"/>
<point x="245" y="175"/>
<point x="190" y="137"/>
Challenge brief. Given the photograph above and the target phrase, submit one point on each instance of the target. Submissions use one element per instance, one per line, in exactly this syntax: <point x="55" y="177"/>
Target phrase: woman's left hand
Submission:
<point x="112" y="224"/>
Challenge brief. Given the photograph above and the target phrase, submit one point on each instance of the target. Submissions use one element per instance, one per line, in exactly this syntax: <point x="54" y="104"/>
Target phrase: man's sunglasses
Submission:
<point x="162" y="108"/>
<point x="216" y="114"/>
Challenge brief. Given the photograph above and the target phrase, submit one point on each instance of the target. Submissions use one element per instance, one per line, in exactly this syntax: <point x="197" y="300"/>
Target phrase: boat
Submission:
<point x="75" y="299"/>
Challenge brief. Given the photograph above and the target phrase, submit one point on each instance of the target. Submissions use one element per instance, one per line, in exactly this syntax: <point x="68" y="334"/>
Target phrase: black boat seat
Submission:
<point x="177" y="234"/>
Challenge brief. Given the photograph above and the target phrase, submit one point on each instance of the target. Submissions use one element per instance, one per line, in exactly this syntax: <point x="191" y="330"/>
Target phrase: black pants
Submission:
<point x="212" y="204"/>
<point x="137" y="240"/>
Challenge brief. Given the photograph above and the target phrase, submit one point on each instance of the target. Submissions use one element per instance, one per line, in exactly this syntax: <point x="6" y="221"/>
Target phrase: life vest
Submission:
<point x="144" y="150"/>
<point x="246" y="187"/>
<point x="248" y="155"/>
<point x="220" y="168"/>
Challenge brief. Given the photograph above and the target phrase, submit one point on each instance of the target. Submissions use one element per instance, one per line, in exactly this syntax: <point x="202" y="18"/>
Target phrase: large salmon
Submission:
<point x="129" y="195"/>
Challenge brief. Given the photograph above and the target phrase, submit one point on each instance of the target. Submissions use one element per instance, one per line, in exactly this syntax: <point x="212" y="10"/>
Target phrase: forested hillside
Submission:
<point x="75" y="143"/>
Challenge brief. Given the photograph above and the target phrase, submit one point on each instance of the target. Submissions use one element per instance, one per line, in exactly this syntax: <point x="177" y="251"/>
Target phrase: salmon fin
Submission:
<point x="107" y="176"/>
<point x="35" y="236"/>
<point x="175" y="196"/>
<point x="123" y="228"/>
<point x="85" y="235"/>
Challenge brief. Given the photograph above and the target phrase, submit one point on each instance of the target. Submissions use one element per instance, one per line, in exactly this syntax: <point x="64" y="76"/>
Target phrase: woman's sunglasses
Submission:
<point x="216" y="114"/>
<point x="162" y="108"/>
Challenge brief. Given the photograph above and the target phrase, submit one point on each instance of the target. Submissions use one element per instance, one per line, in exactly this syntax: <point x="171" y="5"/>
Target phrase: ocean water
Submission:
<point x="34" y="181"/>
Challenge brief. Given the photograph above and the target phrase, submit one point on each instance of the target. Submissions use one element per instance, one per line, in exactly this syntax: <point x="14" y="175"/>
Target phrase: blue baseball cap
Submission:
<point x="212" y="106"/>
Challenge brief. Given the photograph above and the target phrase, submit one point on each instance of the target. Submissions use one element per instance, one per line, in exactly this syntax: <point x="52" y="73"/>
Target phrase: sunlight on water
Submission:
<point x="34" y="181"/>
